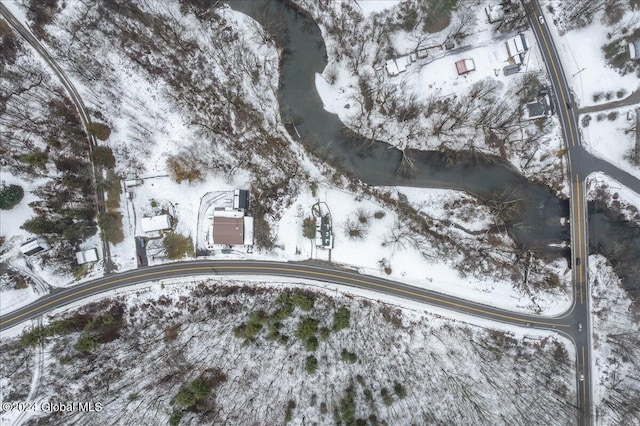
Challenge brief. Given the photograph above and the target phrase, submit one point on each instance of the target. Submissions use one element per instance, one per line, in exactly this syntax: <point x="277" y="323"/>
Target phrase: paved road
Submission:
<point x="564" y="324"/>
<point x="77" y="102"/>
<point x="578" y="171"/>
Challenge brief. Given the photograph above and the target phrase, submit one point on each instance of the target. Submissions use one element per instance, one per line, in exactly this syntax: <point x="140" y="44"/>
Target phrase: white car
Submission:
<point x="541" y="19"/>
<point x="582" y="377"/>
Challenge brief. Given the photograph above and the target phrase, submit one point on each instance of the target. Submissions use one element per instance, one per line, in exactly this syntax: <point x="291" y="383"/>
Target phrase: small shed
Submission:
<point x="156" y="223"/>
<point x="34" y="245"/>
<point x="465" y="66"/>
<point x="87" y="256"/>
<point x="132" y="182"/>
<point x="511" y="69"/>
<point x="634" y="49"/>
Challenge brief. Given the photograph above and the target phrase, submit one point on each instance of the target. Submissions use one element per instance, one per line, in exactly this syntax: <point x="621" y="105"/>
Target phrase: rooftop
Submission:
<point x="228" y="230"/>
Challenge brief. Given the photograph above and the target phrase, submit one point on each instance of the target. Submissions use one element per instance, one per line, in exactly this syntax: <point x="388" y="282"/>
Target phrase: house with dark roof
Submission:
<point x="511" y="69"/>
<point x="539" y="108"/>
<point x="324" y="234"/>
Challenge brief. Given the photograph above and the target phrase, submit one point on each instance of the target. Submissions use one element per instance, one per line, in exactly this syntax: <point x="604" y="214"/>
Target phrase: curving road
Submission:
<point x="79" y="105"/>
<point x="299" y="270"/>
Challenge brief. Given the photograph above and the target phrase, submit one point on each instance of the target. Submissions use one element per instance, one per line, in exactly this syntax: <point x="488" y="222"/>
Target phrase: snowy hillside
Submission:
<point x="228" y="352"/>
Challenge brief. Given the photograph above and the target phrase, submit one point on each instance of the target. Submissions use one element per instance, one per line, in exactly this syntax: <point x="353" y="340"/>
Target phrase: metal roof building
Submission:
<point x="33" y="246"/>
<point x="86" y="256"/>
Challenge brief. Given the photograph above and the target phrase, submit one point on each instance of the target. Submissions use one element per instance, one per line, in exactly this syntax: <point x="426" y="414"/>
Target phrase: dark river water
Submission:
<point x="377" y="164"/>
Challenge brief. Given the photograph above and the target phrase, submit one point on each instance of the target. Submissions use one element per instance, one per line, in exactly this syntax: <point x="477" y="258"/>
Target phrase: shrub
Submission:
<point x="303" y="301"/>
<point x="363" y="216"/>
<point x="177" y="245"/>
<point x="181" y="169"/>
<point x="307" y="329"/>
<point x="288" y="414"/>
<point x="99" y="130"/>
<point x="103" y="156"/>
<point x="36" y="159"/>
<point x="309" y="228"/>
<point x="387" y="398"/>
<point x="311" y="364"/>
<point x="10" y="196"/>
<point x="341" y="319"/>
<point x="111" y="226"/>
<point x="400" y="391"/>
<point x="311" y="344"/>
<point x="175" y="418"/>
<point x="349" y="357"/>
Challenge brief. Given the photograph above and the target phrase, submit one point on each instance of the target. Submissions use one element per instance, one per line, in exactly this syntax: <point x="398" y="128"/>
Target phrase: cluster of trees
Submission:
<point x="43" y="138"/>
<point x="10" y="196"/>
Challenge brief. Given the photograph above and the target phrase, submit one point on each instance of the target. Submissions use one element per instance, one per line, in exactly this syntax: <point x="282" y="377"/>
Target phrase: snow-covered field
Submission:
<point x="391" y="363"/>
<point x="378" y="249"/>
<point x="611" y="135"/>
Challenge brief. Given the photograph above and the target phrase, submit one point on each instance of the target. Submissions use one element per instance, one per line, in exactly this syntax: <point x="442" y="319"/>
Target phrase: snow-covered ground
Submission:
<point x="610" y="135"/>
<point x="193" y="324"/>
<point x="582" y="58"/>
<point x="616" y="347"/>
<point x="376" y="250"/>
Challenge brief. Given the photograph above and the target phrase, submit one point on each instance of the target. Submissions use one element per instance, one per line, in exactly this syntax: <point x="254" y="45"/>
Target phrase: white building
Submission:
<point x="516" y="47"/>
<point x="156" y="223"/>
<point x="86" y="256"/>
<point x="33" y="246"/>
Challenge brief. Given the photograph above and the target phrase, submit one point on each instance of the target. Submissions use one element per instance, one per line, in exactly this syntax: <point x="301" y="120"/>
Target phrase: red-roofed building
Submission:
<point x="465" y="66"/>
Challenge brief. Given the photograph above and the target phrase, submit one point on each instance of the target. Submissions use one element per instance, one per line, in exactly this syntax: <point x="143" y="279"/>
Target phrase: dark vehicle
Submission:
<point x="577" y="261"/>
<point x="568" y="105"/>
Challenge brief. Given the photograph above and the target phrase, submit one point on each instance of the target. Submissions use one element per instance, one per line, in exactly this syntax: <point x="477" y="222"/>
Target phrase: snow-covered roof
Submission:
<point x="227" y="213"/>
<point x="634" y="47"/>
<point x="34" y="246"/>
<point x="494" y="13"/>
<point x="392" y="67"/>
<point x="155" y="223"/>
<point x="517" y="45"/>
<point x="248" y="231"/>
<point x="86" y="256"/>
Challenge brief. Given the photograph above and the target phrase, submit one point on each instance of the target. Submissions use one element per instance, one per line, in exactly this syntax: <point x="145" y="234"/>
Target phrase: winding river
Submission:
<point x="320" y="132"/>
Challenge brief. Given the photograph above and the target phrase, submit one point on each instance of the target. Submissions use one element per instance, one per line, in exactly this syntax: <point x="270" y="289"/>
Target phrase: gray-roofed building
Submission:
<point x="324" y="236"/>
<point x="240" y="199"/>
<point x="539" y="108"/>
<point x="511" y="69"/>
